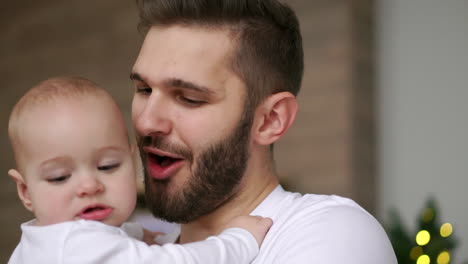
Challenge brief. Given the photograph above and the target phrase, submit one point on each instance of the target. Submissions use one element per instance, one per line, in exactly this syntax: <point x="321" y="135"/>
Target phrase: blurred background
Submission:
<point x="382" y="107"/>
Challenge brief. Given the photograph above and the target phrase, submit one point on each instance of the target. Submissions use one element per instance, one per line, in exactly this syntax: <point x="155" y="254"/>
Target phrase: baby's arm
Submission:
<point x="237" y="244"/>
<point x="137" y="231"/>
<point x="258" y="226"/>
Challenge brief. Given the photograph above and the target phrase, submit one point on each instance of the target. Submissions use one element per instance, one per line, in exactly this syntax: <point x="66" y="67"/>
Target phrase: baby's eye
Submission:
<point x="108" y="167"/>
<point x="59" y="179"/>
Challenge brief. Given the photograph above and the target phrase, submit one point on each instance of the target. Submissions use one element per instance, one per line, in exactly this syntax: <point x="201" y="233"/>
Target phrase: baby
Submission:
<point x="75" y="172"/>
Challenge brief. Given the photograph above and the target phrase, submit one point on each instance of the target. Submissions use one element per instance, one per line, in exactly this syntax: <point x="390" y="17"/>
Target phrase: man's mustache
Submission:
<point x="162" y="143"/>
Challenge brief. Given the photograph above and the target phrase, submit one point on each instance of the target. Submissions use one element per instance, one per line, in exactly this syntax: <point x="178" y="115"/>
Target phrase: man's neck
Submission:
<point x="251" y="192"/>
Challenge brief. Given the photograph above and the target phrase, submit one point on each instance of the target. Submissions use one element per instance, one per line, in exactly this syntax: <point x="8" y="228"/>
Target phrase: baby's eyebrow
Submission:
<point x="112" y="148"/>
<point x="54" y="161"/>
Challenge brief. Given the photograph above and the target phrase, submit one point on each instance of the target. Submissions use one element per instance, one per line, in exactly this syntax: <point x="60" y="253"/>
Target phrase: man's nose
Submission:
<point x="151" y="115"/>
<point x="89" y="185"/>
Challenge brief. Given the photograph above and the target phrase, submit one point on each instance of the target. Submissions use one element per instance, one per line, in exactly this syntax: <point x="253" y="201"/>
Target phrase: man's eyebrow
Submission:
<point x="136" y="77"/>
<point x="179" y="83"/>
<point x="176" y="83"/>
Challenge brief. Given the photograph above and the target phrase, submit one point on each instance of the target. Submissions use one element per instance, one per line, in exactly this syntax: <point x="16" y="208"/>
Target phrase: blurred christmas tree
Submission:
<point x="433" y="242"/>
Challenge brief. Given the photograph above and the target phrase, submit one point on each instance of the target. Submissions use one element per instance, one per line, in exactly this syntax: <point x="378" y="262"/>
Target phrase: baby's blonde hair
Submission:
<point x="49" y="91"/>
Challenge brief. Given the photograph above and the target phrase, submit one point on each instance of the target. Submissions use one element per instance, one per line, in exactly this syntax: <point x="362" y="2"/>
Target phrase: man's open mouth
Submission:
<point x="161" y="166"/>
<point x="162" y="161"/>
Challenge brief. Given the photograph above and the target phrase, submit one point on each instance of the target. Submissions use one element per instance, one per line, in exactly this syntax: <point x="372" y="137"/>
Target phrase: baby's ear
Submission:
<point x="22" y="188"/>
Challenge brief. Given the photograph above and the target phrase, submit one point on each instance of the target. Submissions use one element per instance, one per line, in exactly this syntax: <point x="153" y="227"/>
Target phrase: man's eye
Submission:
<point x="108" y="167"/>
<point x="190" y="101"/>
<point x="144" y="90"/>
<point x="59" y="179"/>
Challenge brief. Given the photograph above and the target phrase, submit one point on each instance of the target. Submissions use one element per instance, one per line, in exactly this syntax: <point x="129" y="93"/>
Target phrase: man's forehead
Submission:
<point x="178" y="46"/>
<point x="184" y="56"/>
<point x="197" y="33"/>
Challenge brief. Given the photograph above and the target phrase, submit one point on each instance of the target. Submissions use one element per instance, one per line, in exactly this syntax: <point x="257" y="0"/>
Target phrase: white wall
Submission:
<point x="423" y="109"/>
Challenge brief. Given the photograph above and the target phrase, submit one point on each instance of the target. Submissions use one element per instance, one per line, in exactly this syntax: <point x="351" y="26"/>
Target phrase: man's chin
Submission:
<point x="162" y="190"/>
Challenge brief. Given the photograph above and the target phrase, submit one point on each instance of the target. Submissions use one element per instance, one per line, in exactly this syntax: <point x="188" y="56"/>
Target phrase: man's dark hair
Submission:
<point x="269" y="54"/>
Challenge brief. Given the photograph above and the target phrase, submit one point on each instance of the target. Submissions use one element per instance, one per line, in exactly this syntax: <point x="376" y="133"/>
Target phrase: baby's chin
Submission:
<point x="46" y="222"/>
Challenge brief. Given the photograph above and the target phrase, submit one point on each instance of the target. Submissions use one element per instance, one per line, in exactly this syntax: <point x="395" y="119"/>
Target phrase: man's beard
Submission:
<point x="218" y="172"/>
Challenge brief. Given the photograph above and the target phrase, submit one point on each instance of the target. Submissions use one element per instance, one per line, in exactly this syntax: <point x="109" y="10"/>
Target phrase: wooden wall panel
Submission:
<point x="330" y="148"/>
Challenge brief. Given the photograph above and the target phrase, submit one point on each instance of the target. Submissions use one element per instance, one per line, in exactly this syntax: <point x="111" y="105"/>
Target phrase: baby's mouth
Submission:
<point x="95" y="212"/>
<point x="92" y="209"/>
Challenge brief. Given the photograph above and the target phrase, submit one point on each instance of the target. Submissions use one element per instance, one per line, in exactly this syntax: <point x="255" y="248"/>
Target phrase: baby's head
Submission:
<point x="73" y="156"/>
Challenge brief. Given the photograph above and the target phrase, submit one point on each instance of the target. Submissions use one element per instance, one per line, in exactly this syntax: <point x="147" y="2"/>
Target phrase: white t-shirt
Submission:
<point x="89" y="242"/>
<point x="322" y="229"/>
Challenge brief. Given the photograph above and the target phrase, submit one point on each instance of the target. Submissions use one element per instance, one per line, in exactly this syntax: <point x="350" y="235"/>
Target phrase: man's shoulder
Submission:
<point x="323" y="229"/>
<point x="281" y="203"/>
<point x="315" y="213"/>
<point x="325" y="206"/>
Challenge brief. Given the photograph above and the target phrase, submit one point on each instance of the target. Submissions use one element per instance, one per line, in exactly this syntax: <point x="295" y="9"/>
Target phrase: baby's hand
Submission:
<point x="149" y="237"/>
<point x="258" y="226"/>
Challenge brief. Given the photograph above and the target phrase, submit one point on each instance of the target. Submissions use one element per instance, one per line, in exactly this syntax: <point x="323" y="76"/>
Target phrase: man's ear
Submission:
<point x="22" y="188"/>
<point x="273" y="117"/>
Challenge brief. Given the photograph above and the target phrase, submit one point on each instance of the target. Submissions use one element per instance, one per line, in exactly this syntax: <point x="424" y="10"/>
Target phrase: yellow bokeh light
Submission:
<point x="416" y="252"/>
<point x="423" y="237"/>
<point x="428" y="215"/>
<point x="446" y="230"/>
<point x="443" y="258"/>
<point x="423" y="259"/>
